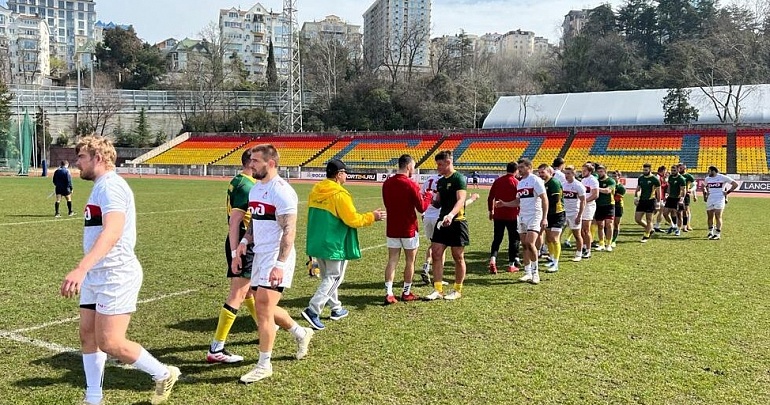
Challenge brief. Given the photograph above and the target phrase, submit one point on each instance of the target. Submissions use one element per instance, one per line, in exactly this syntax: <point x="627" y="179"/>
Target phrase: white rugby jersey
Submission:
<point x="590" y="183"/>
<point x="430" y="184"/>
<point x="572" y="193"/>
<point x="560" y="176"/>
<point x="266" y="202"/>
<point x="110" y="193"/>
<point x="716" y="186"/>
<point x="527" y="191"/>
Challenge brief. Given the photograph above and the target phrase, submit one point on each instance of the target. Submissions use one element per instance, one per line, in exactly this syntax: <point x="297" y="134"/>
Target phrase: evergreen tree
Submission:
<point x="677" y="108"/>
<point x="272" y="72"/>
<point x="142" y="133"/>
<point x="7" y="144"/>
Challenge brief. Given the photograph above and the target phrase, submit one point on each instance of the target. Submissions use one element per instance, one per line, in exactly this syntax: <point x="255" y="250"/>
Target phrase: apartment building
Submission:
<point x="396" y="29"/>
<point x="24" y="48"/>
<point x="573" y="23"/>
<point x="335" y="28"/>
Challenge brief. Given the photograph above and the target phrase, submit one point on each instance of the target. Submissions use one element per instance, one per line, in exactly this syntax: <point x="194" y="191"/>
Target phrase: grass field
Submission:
<point x="676" y="321"/>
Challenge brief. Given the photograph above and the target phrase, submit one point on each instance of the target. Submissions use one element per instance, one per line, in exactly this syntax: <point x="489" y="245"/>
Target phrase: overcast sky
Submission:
<point x="155" y="20"/>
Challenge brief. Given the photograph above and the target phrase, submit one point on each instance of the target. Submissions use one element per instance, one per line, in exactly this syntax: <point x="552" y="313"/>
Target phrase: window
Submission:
<point x="61" y="4"/>
<point x="81" y="25"/>
<point x="22" y="10"/>
<point x="61" y="13"/>
<point x="81" y="16"/>
<point x="32" y="10"/>
<point x="81" y="7"/>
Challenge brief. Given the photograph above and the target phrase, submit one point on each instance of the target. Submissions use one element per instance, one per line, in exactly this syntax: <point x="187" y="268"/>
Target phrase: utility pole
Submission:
<point x="291" y="83"/>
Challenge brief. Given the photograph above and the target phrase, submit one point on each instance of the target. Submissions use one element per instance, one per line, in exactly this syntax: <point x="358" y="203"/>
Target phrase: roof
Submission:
<point x="618" y="108"/>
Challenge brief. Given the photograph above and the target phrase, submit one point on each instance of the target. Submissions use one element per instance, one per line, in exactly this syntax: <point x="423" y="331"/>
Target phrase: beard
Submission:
<point x="86" y="175"/>
<point x="260" y="175"/>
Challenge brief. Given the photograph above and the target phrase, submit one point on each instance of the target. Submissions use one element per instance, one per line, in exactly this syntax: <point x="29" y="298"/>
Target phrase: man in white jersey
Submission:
<point x="273" y="207"/>
<point x="429" y="220"/>
<point x="574" y="203"/>
<point x="533" y="204"/>
<point x="591" y="184"/>
<point x="714" y="189"/>
<point x="109" y="276"/>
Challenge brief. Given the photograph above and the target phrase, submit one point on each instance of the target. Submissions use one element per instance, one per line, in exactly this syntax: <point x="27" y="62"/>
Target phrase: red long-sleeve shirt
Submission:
<point x="402" y="197"/>
<point x="504" y="188"/>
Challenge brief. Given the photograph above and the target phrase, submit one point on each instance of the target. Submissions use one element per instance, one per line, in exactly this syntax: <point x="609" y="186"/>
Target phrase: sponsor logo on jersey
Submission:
<point x="93" y="215"/>
<point x="527" y="192"/>
<point x="570" y="194"/>
<point x="261" y="211"/>
<point x="716" y="185"/>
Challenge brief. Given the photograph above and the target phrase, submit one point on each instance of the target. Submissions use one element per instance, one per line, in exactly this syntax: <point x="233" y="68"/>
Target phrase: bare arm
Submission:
<point x="461" y="194"/>
<point x="733" y="186"/>
<point x="234" y="227"/>
<point x="288" y="224"/>
<point x="112" y="229"/>
<point x="594" y="195"/>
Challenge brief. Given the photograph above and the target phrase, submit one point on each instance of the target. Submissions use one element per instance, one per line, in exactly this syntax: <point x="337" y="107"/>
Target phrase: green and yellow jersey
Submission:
<point x="620" y="191"/>
<point x="648" y="187"/>
<point x="447" y="190"/>
<point x="238" y="198"/>
<point x="677" y="185"/>
<point x="606" y="199"/>
<point x="555" y="195"/>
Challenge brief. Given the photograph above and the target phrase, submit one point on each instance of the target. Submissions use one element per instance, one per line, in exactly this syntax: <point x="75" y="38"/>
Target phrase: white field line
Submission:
<point x="374" y="247"/>
<point x="39" y="343"/>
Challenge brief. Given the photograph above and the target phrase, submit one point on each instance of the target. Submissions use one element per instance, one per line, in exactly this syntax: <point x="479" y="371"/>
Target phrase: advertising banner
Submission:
<point x="754" y="186"/>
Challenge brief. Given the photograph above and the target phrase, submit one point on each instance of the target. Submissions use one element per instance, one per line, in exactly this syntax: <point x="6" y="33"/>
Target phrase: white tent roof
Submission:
<point x="614" y="108"/>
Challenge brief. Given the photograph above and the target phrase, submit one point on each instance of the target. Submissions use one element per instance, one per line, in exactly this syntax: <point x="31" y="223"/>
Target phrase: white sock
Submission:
<point x="407" y="288"/>
<point x="216" y="346"/>
<point x="492" y="260"/>
<point x="264" y="359"/>
<point x="93" y="365"/>
<point x="297" y="331"/>
<point x="150" y="365"/>
<point x="389" y="287"/>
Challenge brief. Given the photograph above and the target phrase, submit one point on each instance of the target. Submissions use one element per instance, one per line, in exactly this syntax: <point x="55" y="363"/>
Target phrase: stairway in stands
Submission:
<point x="567" y="143"/>
<point x="432" y="150"/>
<point x="317" y="154"/>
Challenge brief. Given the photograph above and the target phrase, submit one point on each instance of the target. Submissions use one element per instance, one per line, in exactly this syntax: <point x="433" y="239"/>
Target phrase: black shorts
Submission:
<point x="454" y="235"/>
<point x="63" y="191"/>
<point x="475" y="181"/>
<point x="604" y="212"/>
<point x="558" y="220"/>
<point x="687" y="200"/>
<point x="618" y="211"/>
<point x="246" y="260"/>
<point x="672" y="203"/>
<point x="648" y="206"/>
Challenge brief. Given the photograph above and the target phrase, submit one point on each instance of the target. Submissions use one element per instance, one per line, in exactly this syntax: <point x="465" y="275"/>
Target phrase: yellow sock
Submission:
<point x="226" y="320"/>
<point x="459" y="288"/>
<point x="555" y="249"/>
<point x="438" y="286"/>
<point x="249" y="302"/>
<point x="595" y="232"/>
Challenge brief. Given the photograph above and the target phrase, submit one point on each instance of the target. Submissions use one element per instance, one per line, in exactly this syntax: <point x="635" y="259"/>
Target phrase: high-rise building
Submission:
<point x="334" y="28"/>
<point x="397" y="32"/>
<point x="517" y="44"/>
<point x="24" y="48"/>
<point x="573" y="23"/>
<point x="70" y="22"/>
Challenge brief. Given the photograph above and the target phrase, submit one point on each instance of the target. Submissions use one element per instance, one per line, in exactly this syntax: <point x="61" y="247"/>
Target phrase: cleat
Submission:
<point x="658" y="230"/>
<point x="338" y="314"/>
<point x="390" y="299"/>
<point x="256" y="374"/>
<point x="594" y="245"/>
<point x="552" y="269"/>
<point x="535" y="277"/>
<point x="512" y="269"/>
<point x="453" y="296"/>
<point x="600" y="248"/>
<point x="517" y="263"/>
<point x="435" y="295"/>
<point x="567" y="244"/>
<point x="609" y="248"/>
<point x="304" y="343"/>
<point x="492" y="268"/>
<point x="677" y="233"/>
<point x="577" y="258"/>
<point x="527" y="277"/>
<point x="409" y="297"/>
<point x="163" y="387"/>
<point x="313" y="319"/>
<point x="57" y="216"/>
<point x="716" y="237"/>
<point x="586" y="255"/>
<point x="425" y="276"/>
<point x="222" y="356"/>
<point x="645" y="239"/>
<point x="71" y="214"/>
<point x="613" y="245"/>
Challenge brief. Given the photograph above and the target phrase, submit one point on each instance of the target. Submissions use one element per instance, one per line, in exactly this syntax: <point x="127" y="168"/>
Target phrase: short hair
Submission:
<point x="569" y="167"/>
<point x="444" y="155"/>
<point x="589" y="167"/>
<point x="662" y="168"/>
<point x="510" y="167"/>
<point x="558" y="162"/>
<point x="524" y="161"/>
<point x="268" y="152"/>
<point x="600" y="167"/>
<point x="647" y="166"/>
<point x="246" y="157"/>
<point x="543" y="167"/>
<point x="404" y="161"/>
<point x="98" y="145"/>
<point x="64" y="163"/>
<point x="713" y="169"/>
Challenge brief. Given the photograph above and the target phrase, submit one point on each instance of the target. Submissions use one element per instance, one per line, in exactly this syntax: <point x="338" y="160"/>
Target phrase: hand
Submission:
<point x="544" y="223"/>
<point x="578" y="220"/>
<point x="276" y="277"/>
<point x="694" y="198"/>
<point x="475" y="196"/>
<point x="491" y="215"/>
<point x="447" y="220"/>
<point x="240" y="250"/>
<point x="235" y="265"/>
<point x="636" y="201"/>
<point x="499" y="204"/>
<point x="379" y="214"/>
<point x="70" y="287"/>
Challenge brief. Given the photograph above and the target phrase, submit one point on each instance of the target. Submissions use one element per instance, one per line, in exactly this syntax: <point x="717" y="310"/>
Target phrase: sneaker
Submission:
<point x="453" y="295"/>
<point x="390" y="299"/>
<point x="658" y="230"/>
<point x="594" y="245"/>
<point x="409" y="297"/>
<point x="57" y="216"/>
<point x="512" y="269"/>
<point x="313" y="319"/>
<point x="71" y="214"/>
<point x="613" y="244"/>
<point x="222" y="356"/>
<point x="435" y="295"/>
<point x="578" y="257"/>
<point x="492" y="268"/>
<point x="670" y="230"/>
<point x="609" y="248"/>
<point x="535" y="277"/>
<point x="552" y="269"/>
<point x="256" y="374"/>
<point x="716" y="237"/>
<point x="163" y="387"/>
<point x="645" y="239"/>
<point x="600" y="248"/>
<point x="677" y="232"/>
<point x="527" y="277"/>
<point x="586" y="254"/>
<point x="338" y="314"/>
<point x="425" y="276"/>
<point x="304" y="343"/>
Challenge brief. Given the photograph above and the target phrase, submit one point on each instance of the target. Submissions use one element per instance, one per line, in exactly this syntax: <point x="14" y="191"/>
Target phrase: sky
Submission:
<point x="156" y="20"/>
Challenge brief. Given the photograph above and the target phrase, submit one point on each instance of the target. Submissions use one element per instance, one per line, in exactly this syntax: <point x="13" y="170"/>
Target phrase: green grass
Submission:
<point x="676" y="321"/>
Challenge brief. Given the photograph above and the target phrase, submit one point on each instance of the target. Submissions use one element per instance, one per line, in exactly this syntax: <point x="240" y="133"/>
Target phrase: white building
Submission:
<point x="24" y="48"/>
<point x="247" y="33"/>
<point x="517" y="43"/>
<point x="396" y="29"/>
<point x="67" y="20"/>
<point x="334" y="28"/>
<point x="180" y="53"/>
<point x="573" y="23"/>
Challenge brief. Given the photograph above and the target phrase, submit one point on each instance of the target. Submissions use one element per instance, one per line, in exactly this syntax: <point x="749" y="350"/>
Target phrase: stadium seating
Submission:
<point x="628" y="151"/>
<point x="492" y="151"/>
<point x="320" y="160"/>
<point x="199" y="151"/>
<point x="294" y="150"/>
<point x="753" y="151"/>
<point x="380" y="152"/>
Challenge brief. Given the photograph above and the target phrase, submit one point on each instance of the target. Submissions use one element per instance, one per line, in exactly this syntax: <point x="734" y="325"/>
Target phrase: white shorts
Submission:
<point x="571" y="221"/>
<point x="265" y="262"/>
<point x="715" y="205"/>
<point x="430" y="225"/>
<point x="589" y="211"/>
<point x="114" y="291"/>
<point x="404" y="243"/>
<point x="529" y="223"/>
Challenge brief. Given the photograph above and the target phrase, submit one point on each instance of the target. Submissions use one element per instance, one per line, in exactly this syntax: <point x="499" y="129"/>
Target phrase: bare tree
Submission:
<point x="103" y="104"/>
<point x="326" y="60"/>
<point x="403" y="48"/>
